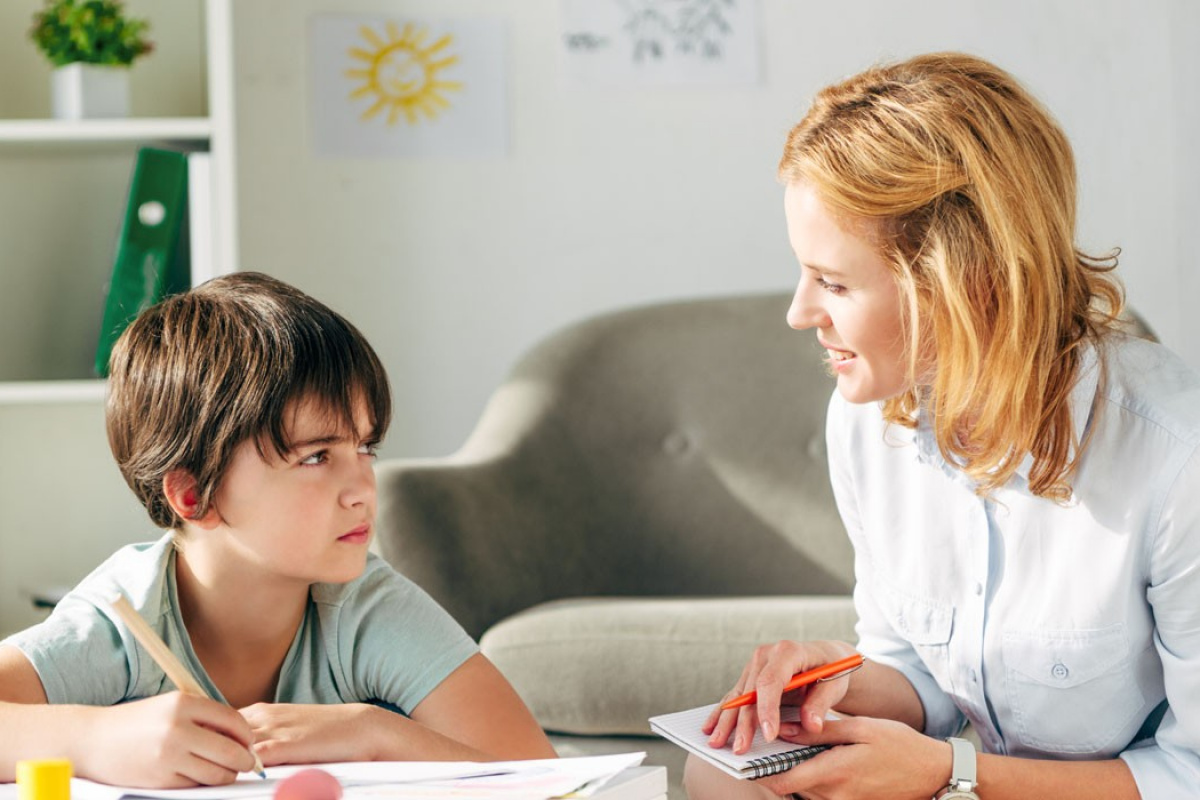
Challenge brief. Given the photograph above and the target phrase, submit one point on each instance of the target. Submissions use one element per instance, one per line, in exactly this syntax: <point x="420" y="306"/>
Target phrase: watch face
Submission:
<point x="958" y="794"/>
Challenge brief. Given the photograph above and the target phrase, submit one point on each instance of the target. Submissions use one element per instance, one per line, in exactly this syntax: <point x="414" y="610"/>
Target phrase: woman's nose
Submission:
<point x="806" y="311"/>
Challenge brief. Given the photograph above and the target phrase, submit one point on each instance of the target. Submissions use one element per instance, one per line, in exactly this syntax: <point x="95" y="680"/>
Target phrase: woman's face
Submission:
<point x="848" y="293"/>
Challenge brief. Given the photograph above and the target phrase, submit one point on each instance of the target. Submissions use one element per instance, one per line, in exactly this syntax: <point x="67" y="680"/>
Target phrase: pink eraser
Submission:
<point x="309" y="784"/>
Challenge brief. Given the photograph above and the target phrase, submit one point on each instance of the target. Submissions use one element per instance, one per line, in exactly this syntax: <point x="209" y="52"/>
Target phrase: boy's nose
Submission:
<point x="360" y="486"/>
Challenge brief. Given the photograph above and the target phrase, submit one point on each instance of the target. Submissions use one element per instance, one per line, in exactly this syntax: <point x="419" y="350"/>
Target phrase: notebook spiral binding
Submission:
<point x="782" y="762"/>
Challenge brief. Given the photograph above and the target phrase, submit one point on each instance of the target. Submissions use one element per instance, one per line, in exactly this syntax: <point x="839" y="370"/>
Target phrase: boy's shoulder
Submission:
<point x="378" y="579"/>
<point x="139" y="571"/>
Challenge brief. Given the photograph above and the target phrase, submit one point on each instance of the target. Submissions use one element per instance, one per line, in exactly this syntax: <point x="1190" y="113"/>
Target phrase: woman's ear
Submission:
<point x="179" y="488"/>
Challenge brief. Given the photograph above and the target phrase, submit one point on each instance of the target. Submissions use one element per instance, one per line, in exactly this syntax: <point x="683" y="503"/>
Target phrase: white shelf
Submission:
<point x="42" y="392"/>
<point x="42" y="131"/>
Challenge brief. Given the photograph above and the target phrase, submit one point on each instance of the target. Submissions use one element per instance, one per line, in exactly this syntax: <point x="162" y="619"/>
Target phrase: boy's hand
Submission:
<point x="170" y="741"/>
<point x="289" y="733"/>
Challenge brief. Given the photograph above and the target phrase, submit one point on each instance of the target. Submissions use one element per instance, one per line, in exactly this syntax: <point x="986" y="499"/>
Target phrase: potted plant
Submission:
<point x="91" y="44"/>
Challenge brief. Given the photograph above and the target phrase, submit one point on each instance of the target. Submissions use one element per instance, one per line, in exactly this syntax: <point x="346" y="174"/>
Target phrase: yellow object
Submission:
<point x="45" y="779"/>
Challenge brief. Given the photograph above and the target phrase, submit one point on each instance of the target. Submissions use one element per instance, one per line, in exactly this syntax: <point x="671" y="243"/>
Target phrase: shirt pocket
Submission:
<point x="1071" y="691"/>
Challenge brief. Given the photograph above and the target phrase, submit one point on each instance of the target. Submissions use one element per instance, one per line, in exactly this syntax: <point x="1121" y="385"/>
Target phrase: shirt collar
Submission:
<point x="1082" y="398"/>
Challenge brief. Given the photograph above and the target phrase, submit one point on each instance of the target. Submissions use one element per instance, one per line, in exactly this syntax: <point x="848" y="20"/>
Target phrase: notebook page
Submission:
<point x="683" y="728"/>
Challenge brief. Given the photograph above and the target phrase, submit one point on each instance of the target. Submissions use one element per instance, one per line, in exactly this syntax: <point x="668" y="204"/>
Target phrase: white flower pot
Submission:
<point x="90" y="91"/>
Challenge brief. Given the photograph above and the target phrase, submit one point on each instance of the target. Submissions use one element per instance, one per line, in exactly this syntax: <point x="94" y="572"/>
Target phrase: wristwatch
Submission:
<point x="962" y="772"/>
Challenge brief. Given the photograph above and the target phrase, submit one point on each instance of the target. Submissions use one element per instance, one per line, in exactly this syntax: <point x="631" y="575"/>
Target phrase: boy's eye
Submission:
<point x="369" y="449"/>
<point x="319" y="457"/>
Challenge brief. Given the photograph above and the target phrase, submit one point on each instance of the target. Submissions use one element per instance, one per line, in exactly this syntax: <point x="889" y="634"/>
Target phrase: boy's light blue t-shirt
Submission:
<point x="379" y="638"/>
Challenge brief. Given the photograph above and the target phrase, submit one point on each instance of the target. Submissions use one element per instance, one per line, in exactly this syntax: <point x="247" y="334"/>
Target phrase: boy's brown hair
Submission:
<point x="204" y="371"/>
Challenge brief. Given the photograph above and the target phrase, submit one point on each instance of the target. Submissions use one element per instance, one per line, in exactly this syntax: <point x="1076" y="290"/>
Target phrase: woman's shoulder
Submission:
<point x="1149" y="380"/>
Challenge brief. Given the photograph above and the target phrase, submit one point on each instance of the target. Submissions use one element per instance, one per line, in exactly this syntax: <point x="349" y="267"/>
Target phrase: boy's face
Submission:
<point x="308" y="516"/>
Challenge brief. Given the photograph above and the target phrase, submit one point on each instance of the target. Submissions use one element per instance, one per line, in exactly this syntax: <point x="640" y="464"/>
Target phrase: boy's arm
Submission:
<point x="19" y="681"/>
<point x="472" y="715"/>
<point x="478" y="707"/>
<point x="172" y="740"/>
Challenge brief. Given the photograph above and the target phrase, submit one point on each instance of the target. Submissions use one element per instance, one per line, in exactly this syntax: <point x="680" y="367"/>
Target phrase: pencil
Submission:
<point x="177" y="673"/>
<point x="830" y="671"/>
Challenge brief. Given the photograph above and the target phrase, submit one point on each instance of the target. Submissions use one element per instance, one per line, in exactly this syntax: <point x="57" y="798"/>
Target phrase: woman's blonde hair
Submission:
<point x="967" y="185"/>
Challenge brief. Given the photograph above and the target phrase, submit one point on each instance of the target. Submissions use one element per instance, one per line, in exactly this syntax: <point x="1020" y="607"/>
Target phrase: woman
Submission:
<point x="1025" y="511"/>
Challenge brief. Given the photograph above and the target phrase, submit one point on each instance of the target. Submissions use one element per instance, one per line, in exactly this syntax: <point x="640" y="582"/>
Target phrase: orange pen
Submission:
<point x="828" y="672"/>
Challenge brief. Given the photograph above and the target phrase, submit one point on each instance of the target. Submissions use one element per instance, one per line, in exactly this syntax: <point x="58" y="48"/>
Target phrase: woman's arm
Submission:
<point x="880" y="758"/>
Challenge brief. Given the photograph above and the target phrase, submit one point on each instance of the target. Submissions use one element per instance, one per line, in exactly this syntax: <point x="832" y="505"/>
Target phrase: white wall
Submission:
<point x="607" y="198"/>
<point x="613" y="197"/>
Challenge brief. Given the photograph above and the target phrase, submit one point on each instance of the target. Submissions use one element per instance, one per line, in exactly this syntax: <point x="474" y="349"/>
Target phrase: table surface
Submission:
<point x="8" y="791"/>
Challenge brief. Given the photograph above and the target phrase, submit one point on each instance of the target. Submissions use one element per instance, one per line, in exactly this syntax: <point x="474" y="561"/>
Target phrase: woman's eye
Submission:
<point x="319" y="457"/>
<point x="832" y="288"/>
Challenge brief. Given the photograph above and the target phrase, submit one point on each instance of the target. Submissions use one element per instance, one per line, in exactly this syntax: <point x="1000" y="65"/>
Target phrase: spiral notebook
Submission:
<point x="762" y="759"/>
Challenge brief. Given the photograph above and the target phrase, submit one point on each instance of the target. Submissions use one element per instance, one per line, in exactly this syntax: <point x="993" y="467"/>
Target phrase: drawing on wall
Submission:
<point x="406" y="87"/>
<point x="400" y="73"/>
<point x="664" y="42"/>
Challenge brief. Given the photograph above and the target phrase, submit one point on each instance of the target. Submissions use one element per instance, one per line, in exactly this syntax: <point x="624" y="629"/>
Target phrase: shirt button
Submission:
<point x="978" y="589"/>
<point x="1060" y="671"/>
<point x="974" y="677"/>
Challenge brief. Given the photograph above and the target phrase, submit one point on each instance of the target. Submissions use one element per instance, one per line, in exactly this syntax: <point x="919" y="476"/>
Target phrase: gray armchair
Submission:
<point x="644" y="500"/>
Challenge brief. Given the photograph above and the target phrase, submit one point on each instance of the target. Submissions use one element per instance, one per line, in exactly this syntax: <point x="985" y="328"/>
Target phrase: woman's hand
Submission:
<point x="291" y="733"/>
<point x="769" y="670"/>
<point x="868" y="758"/>
<point x="169" y="741"/>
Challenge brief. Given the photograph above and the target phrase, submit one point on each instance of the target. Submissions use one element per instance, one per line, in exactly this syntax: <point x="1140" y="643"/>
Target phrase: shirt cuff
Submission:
<point x="1162" y="772"/>
<point x="942" y="717"/>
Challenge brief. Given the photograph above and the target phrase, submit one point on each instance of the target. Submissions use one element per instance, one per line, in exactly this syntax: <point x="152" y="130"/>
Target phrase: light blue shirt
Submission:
<point x="378" y="638"/>
<point x="1056" y="630"/>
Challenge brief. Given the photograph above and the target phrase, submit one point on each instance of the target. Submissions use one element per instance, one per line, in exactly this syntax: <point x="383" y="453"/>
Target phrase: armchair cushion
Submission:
<point x="602" y="666"/>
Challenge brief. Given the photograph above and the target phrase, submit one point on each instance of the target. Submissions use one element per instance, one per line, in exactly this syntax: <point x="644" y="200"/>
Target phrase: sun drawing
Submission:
<point x="401" y="73"/>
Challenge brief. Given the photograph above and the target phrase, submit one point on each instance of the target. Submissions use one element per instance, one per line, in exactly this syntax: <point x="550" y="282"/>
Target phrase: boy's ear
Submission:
<point x="179" y="488"/>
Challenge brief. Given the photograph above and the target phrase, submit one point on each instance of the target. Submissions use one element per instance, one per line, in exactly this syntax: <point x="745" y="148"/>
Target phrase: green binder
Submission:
<point x="151" y="261"/>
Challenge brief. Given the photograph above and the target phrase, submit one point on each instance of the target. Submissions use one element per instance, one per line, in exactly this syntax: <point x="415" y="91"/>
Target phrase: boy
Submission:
<point x="245" y="415"/>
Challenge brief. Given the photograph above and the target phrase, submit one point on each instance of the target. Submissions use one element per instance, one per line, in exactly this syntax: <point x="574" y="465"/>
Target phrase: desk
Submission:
<point x="635" y="783"/>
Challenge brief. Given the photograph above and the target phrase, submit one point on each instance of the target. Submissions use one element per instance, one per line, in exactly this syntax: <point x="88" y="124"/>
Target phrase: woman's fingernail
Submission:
<point x="789" y="729"/>
<point x="738" y="742"/>
<point x="768" y="729"/>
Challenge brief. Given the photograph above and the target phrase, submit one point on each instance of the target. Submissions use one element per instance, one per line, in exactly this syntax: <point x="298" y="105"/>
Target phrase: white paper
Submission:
<point x="397" y="86"/>
<point x="661" y="42"/>
<point x="382" y="780"/>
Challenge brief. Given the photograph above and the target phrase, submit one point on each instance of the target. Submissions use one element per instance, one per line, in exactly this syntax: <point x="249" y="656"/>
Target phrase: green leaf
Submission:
<point x="91" y="31"/>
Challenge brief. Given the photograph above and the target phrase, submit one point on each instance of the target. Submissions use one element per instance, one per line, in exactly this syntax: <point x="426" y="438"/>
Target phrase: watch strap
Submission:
<point x="962" y="765"/>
